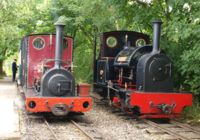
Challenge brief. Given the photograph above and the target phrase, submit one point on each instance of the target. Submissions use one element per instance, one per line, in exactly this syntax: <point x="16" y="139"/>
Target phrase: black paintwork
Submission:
<point x="151" y="70"/>
<point x="105" y="71"/>
<point x="107" y="55"/>
<point x="24" y="65"/>
<point x="106" y="51"/>
<point x="154" y="73"/>
<point x="57" y="82"/>
<point x="132" y="54"/>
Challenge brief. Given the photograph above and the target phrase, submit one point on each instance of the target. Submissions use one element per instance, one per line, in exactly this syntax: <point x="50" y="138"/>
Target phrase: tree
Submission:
<point x="86" y="19"/>
<point x="8" y="30"/>
<point x="180" y="33"/>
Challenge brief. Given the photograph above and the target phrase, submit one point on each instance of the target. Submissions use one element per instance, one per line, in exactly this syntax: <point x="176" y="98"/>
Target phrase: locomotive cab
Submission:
<point x="112" y="43"/>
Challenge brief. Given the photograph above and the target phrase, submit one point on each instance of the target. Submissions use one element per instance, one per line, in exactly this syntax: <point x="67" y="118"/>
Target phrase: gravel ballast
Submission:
<point x="110" y="125"/>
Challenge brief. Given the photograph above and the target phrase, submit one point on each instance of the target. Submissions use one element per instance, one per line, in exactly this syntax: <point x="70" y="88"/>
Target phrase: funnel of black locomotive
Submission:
<point x="46" y="75"/>
<point x="137" y="77"/>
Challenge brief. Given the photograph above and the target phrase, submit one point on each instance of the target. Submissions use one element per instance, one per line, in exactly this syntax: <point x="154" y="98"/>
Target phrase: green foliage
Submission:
<point x="190" y="60"/>
<point x="86" y="19"/>
<point x="193" y="113"/>
<point x="8" y="32"/>
<point x="83" y="64"/>
<point x="180" y="34"/>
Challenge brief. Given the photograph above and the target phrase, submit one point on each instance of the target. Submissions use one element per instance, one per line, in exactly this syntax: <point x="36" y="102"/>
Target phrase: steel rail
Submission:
<point x="82" y="130"/>
<point x="52" y="132"/>
<point x="166" y="130"/>
<point x="186" y="126"/>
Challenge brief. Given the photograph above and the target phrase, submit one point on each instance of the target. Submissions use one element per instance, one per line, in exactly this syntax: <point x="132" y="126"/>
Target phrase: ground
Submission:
<point x="9" y="119"/>
<point x="112" y="124"/>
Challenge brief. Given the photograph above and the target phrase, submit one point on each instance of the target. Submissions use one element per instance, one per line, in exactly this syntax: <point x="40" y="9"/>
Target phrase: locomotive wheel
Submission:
<point x="136" y="111"/>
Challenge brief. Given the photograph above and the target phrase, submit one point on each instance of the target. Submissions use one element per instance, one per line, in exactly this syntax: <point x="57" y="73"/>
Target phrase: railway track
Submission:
<point x="172" y="130"/>
<point x="87" y="132"/>
<point x="51" y="130"/>
<point x="162" y="130"/>
<point x="31" y="133"/>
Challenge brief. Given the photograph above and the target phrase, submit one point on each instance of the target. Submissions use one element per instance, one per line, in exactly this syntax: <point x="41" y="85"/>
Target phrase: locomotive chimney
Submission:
<point x="59" y="43"/>
<point x="156" y="36"/>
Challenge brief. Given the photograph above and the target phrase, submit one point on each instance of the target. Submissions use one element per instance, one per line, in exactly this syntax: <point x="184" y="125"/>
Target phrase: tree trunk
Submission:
<point x="1" y="67"/>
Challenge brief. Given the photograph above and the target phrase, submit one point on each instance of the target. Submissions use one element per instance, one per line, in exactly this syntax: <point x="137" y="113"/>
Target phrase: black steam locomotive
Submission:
<point x="137" y="77"/>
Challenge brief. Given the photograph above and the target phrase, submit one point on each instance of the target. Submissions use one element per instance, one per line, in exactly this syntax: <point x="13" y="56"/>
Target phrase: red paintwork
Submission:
<point x="116" y="102"/>
<point x="84" y="89"/>
<point x="44" y="104"/>
<point x="36" y="59"/>
<point x="37" y="56"/>
<point x="143" y="100"/>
